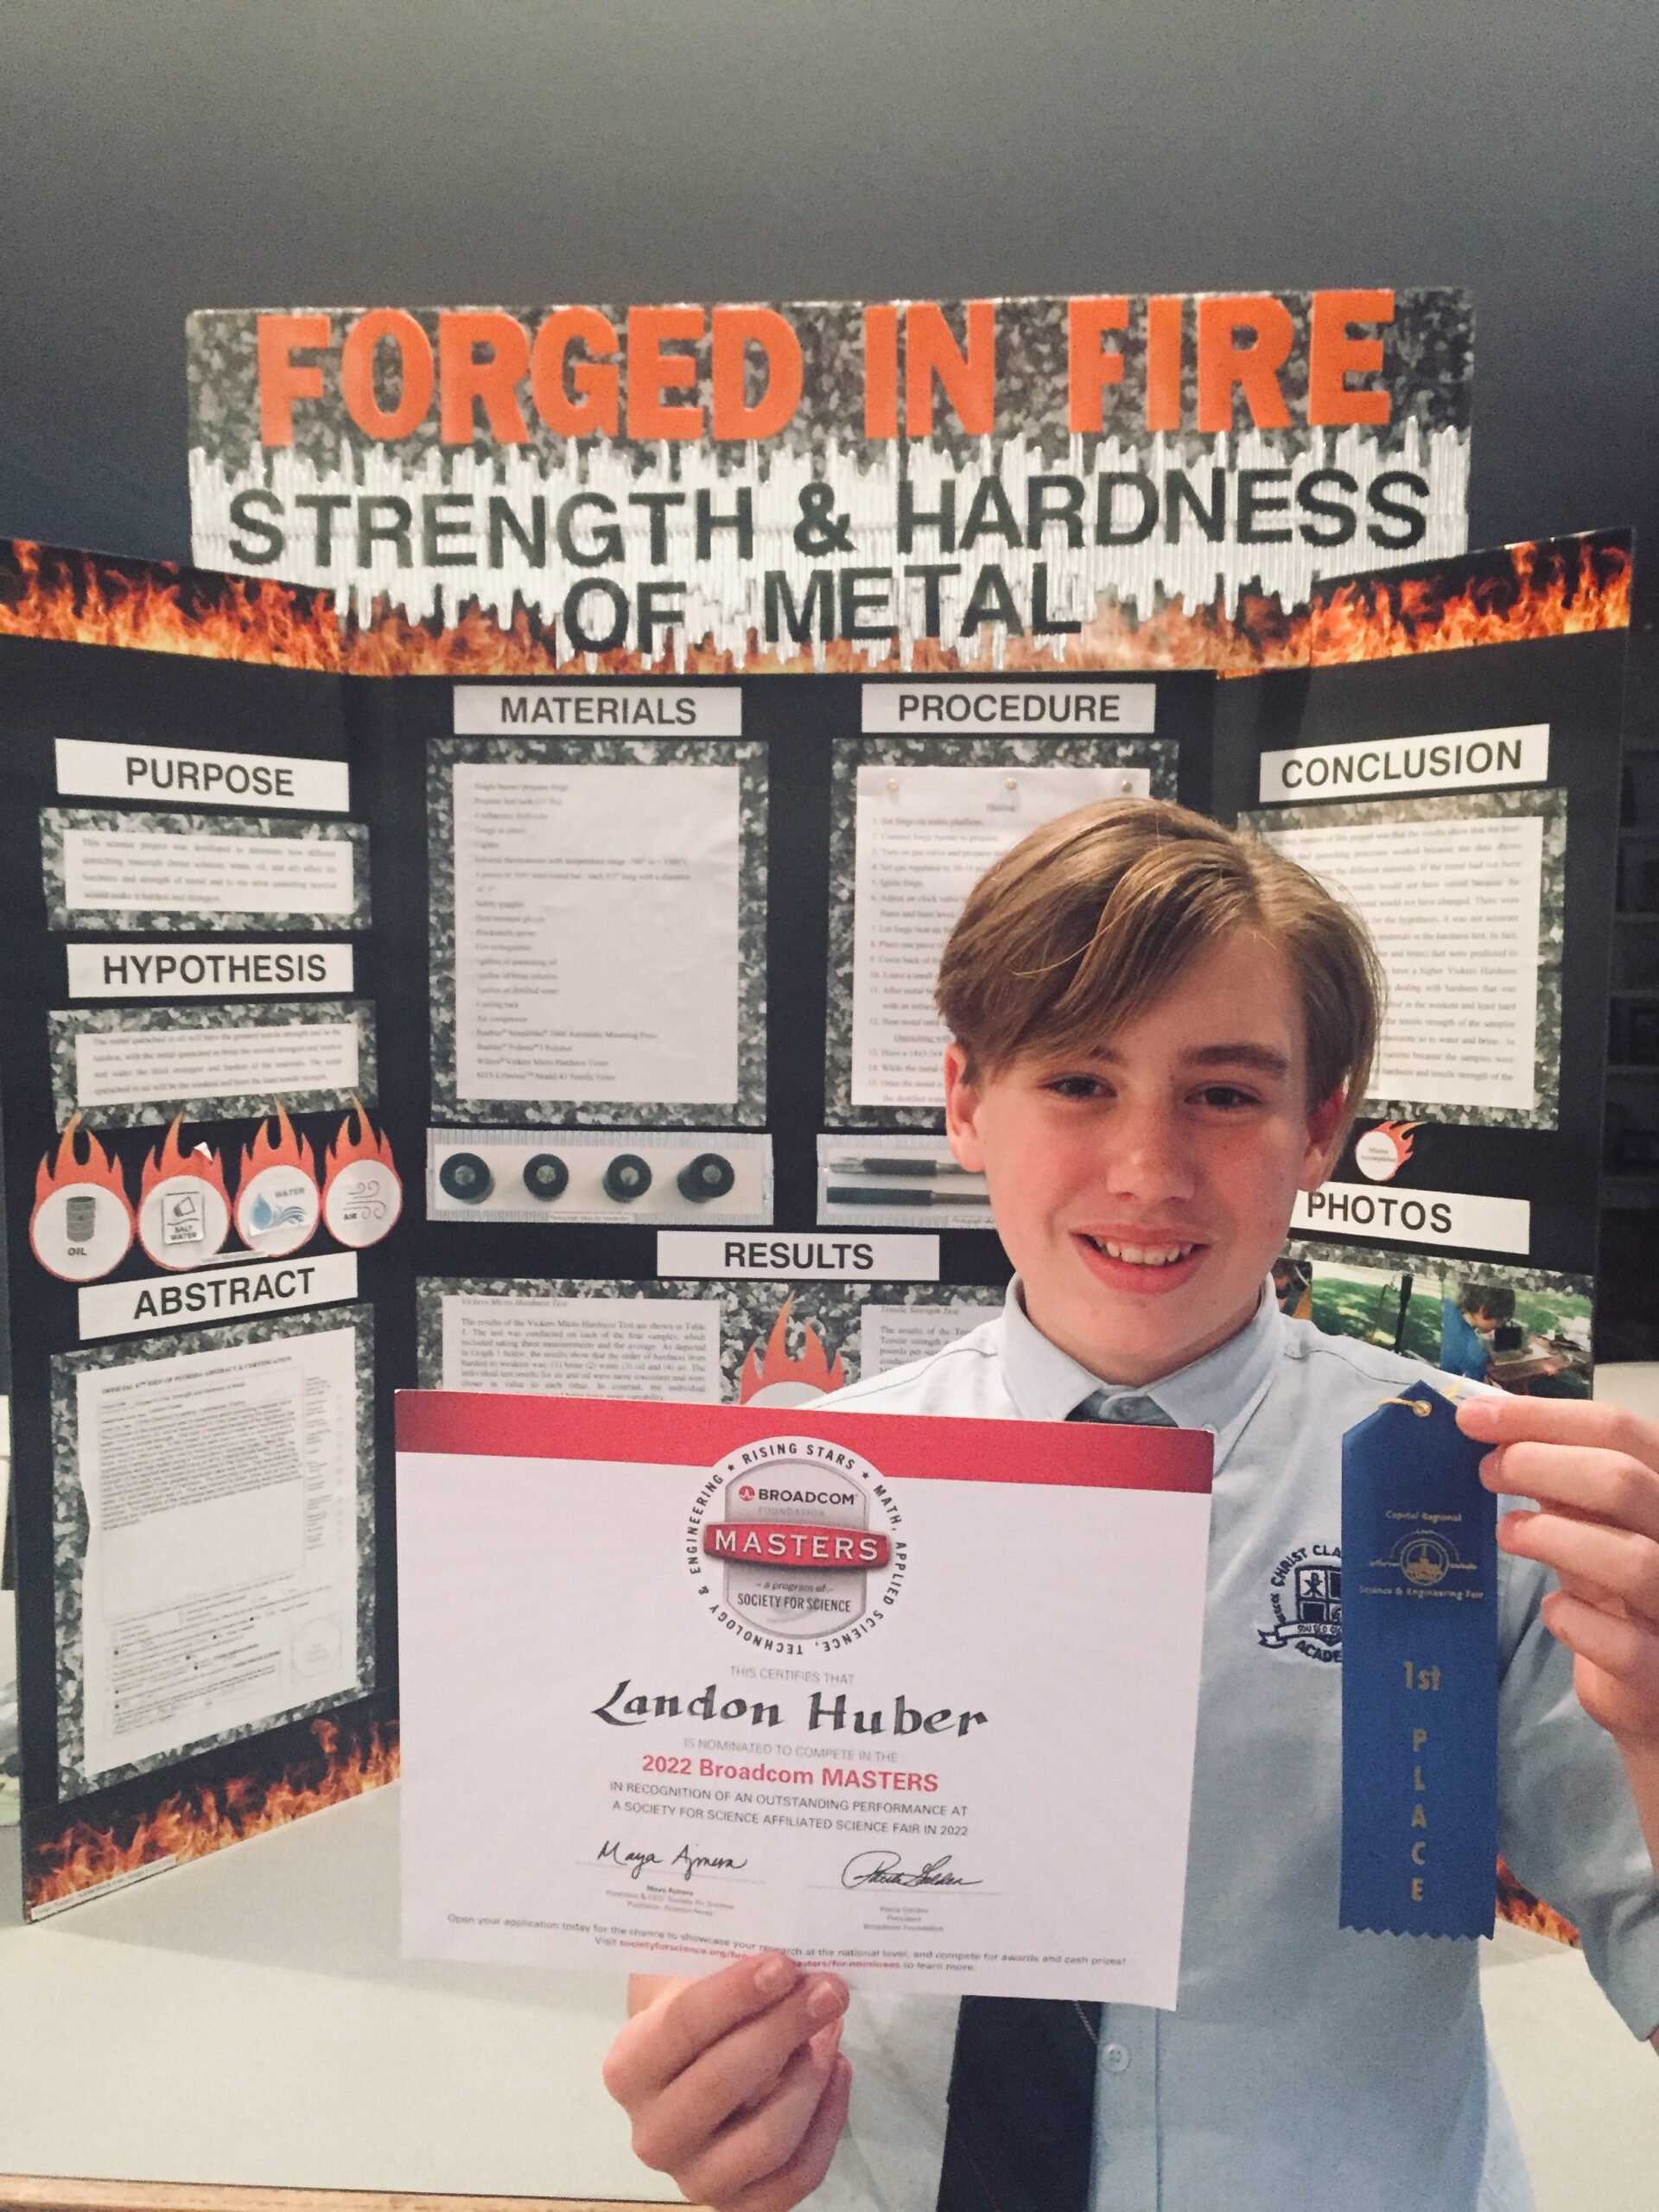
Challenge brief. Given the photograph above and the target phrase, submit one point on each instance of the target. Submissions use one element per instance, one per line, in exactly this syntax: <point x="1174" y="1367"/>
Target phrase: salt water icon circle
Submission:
<point x="184" y="1212"/>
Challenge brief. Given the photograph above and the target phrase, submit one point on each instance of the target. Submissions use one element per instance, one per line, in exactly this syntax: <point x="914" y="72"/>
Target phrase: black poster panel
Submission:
<point x="1439" y="756"/>
<point x="1523" y="802"/>
<point x="150" y="736"/>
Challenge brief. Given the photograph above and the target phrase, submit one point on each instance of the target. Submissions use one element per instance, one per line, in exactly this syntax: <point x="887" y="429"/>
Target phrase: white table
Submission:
<point x="248" y="2021"/>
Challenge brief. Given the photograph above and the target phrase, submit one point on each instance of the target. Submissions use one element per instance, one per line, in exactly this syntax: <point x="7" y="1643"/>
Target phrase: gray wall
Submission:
<point x="161" y="155"/>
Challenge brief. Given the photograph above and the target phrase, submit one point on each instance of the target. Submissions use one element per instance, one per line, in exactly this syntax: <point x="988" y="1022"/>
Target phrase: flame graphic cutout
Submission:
<point x="290" y="1150"/>
<point x="99" y="1167"/>
<point x="169" y="1158"/>
<point x="275" y="1224"/>
<point x="813" y="1372"/>
<point x="82" y="1222"/>
<point x="364" y="1145"/>
<point x="191" y="1825"/>
<point x="1381" y="1152"/>
<point x="362" y="1194"/>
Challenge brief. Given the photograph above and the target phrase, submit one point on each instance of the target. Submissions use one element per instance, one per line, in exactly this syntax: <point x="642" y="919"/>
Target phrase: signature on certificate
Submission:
<point x="886" y="1870"/>
<point x="687" y="1863"/>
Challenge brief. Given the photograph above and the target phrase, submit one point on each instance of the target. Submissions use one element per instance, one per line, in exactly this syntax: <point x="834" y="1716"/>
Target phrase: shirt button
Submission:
<point x="1117" y="2059"/>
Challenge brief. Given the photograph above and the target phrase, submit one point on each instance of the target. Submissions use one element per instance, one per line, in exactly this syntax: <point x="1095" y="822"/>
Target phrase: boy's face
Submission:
<point x="1187" y="1133"/>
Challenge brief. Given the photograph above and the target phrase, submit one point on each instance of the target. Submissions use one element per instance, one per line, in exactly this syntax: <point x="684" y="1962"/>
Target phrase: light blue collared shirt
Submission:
<point x="1305" y="2064"/>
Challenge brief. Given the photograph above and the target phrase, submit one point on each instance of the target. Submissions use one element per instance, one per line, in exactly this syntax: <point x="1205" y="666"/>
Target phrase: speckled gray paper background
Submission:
<point x="1455" y="806"/>
<point x="749" y="1312"/>
<point x="64" y="1026"/>
<point x="136" y="921"/>
<point x="70" y="1531"/>
<point x="748" y="1108"/>
<point x="852" y="754"/>
<point x="1427" y="354"/>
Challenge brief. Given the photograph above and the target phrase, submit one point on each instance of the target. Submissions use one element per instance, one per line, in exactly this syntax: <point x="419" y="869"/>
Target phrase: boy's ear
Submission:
<point x="962" y="1111"/>
<point x="1328" y="1125"/>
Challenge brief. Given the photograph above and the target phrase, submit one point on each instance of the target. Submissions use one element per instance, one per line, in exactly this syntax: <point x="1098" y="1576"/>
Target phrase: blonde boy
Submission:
<point x="1161" y="1031"/>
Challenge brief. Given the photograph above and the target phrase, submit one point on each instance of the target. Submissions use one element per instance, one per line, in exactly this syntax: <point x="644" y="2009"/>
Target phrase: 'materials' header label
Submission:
<point x="638" y="709"/>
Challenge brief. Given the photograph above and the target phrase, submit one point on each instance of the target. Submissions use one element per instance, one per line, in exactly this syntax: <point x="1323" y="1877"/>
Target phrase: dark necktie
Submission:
<point x="1020" y="2135"/>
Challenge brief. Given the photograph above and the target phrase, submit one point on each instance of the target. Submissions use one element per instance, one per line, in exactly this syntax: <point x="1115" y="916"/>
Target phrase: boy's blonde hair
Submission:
<point x="1089" y="918"/>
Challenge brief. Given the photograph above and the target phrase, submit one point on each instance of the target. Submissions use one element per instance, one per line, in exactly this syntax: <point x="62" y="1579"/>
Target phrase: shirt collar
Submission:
<point x="1218" y="1392"/>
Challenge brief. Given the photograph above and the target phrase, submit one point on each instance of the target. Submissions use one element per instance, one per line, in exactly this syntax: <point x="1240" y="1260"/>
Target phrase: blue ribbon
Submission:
<point x="1419" y="1673"/>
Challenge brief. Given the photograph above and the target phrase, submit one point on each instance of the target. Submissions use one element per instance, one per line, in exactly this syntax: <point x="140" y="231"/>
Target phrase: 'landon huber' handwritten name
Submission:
<point x="620" y="1710"/>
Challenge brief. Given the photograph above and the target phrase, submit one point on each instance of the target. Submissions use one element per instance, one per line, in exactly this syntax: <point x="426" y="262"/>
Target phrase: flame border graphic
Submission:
<point x="814" y="1366"/>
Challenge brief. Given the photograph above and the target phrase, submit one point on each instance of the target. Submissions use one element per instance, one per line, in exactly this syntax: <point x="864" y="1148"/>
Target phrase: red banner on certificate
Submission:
<point x="911" y="1698"/>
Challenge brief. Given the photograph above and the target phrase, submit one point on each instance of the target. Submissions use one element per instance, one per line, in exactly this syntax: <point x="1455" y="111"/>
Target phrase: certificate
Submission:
<point x="912" y="1698"/>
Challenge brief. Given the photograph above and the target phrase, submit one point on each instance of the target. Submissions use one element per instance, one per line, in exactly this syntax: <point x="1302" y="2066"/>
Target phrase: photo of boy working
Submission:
<point x="1160" y="1033"/>
<point x="1483" y="1338"/>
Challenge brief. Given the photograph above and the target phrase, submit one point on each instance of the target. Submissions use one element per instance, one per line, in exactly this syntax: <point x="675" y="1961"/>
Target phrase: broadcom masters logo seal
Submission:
<point x="793" y="1544"/>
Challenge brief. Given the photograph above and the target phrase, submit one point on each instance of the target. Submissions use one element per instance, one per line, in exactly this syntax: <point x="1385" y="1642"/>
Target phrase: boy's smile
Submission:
<point x="1142" y="1188"/>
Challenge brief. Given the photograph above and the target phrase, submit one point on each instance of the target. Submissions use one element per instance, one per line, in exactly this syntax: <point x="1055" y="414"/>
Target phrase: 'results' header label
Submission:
<point x="762" y="1255"/>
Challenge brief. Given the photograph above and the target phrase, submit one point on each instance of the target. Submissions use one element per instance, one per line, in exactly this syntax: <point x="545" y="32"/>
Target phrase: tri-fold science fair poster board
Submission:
<point x="572" y="1035"/>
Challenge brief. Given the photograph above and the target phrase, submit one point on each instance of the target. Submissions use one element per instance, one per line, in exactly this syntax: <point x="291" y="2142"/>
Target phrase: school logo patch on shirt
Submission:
<point x="1304" y="1590"/>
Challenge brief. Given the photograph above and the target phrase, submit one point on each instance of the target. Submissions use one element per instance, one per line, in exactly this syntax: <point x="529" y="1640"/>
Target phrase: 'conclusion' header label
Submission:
<point x="1461" y="759"/>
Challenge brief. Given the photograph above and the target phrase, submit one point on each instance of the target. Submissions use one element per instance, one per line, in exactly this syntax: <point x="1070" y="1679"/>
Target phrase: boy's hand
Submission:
<point x="734" y="2082"/>
<point x="1594" y="1469"/>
